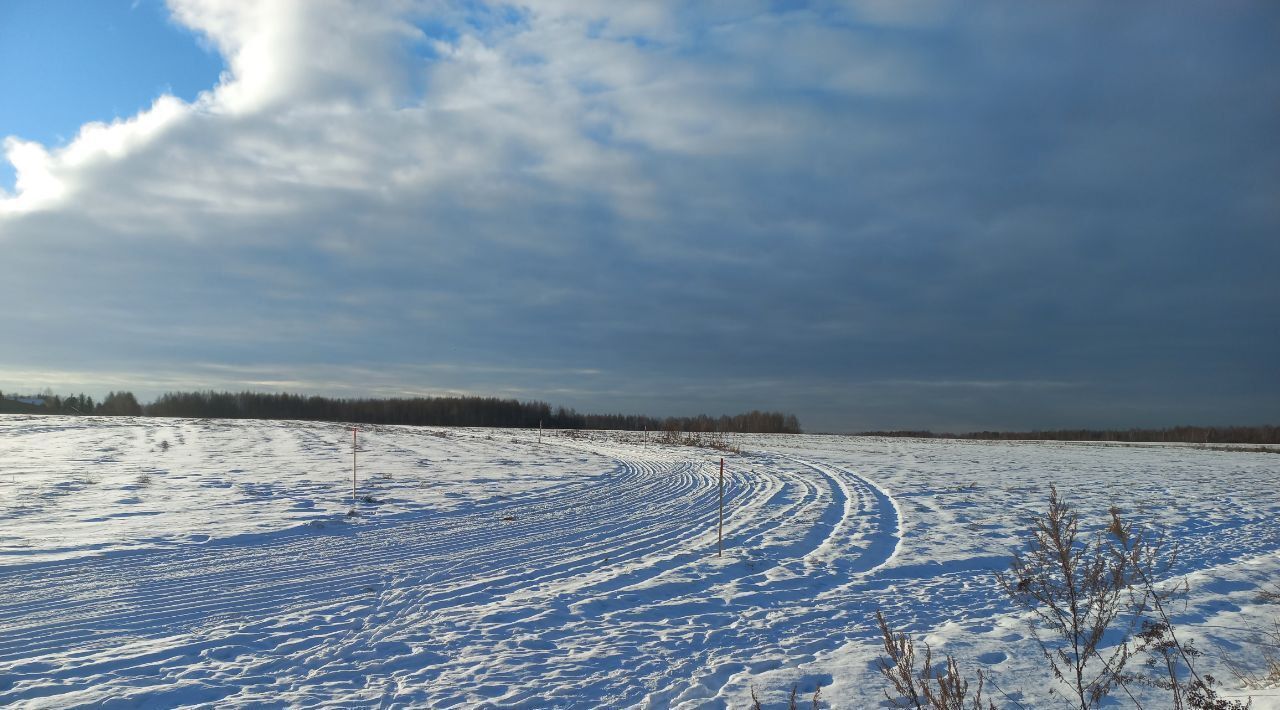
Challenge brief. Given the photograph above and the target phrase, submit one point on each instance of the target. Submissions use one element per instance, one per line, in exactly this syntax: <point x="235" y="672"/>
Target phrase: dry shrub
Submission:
<point x="792" y="700"/>
<point x="1082" y="588"/>
<point x="1268" y="641"/>
<point x="924" y="688"/>
<point x="1078" y="588"/>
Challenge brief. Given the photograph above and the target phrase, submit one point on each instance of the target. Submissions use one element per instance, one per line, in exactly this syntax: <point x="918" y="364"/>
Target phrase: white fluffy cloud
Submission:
<point x="327" y="95"/>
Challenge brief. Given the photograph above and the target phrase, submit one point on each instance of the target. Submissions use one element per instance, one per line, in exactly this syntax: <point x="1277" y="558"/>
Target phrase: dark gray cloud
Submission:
<point x="874" y="215"/>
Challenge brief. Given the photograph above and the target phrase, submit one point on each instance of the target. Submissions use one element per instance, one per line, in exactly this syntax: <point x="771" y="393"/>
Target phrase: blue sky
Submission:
<point x="922" y="214"/>
<point x="66" y="62"/>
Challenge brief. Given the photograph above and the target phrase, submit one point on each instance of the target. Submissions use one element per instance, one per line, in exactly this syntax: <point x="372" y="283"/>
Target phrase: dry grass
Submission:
<point x="707" y="440"/>
<point x="792" y="700"/>
<point x="924" y="688"/>
<point x="1267" y="641"/>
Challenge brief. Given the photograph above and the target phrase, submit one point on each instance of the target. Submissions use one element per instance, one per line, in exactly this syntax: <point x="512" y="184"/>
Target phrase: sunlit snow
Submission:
<point x="171" y="562"/>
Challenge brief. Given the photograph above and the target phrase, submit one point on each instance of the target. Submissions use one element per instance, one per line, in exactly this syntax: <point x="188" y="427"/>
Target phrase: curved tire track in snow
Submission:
<point x="799" y="600"/>
<point x="606" y="587"/>
<point x="871" y="523"/>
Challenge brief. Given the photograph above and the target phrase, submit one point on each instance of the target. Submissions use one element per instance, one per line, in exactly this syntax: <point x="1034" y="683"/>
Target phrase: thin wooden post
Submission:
<point x="720" y="531"/>
<point x="539" y="431"/>
<point x="353" y="464"/>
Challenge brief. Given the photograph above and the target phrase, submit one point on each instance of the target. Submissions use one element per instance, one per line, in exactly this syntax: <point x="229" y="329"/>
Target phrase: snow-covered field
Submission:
<point x="157" y="563"/>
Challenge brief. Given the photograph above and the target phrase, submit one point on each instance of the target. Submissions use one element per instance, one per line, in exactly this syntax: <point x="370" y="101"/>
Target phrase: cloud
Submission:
<point x="35" y="183"/>
<point x="762" y="199"/>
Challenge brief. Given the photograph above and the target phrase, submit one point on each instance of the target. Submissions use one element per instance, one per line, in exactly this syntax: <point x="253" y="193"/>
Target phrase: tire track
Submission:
<point x="458" y="607"/>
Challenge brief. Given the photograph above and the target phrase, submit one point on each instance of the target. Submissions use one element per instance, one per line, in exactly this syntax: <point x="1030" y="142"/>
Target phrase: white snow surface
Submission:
<point x="172" y="562"/>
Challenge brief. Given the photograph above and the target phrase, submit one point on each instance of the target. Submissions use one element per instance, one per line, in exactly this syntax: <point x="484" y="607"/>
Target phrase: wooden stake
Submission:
<point x="539" y="431"/>
<point x="720" y="531"/>
<point x="353" y="464"/>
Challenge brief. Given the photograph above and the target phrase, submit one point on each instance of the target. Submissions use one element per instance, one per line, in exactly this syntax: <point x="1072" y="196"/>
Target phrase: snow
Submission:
<point x="165" y="562"/>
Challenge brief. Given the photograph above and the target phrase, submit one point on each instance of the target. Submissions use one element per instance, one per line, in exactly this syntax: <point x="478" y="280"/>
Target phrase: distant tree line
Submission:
<point x="421" y="411"/>
<point x="1264" y="434"/>
<point x="436" y="411"/>
<point x="115" y="404"/>
<point x="754" y="421"/>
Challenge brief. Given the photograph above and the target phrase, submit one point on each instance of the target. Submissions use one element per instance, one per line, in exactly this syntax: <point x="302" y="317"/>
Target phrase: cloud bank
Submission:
<point x="874" y="214"/>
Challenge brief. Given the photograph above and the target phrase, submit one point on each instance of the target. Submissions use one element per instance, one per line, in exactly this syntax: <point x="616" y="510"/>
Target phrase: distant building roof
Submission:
<point x="28" y="400"/>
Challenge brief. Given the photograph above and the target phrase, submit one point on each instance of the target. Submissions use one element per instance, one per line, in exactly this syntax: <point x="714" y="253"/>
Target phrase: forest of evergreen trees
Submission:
<point x="1263" y="434"/>
<point x="421" y="411"/>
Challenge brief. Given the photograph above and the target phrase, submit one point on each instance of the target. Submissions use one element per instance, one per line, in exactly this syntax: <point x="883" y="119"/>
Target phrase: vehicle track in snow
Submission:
<point x="496" y="571"/>
<point x="593" y="585"/>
